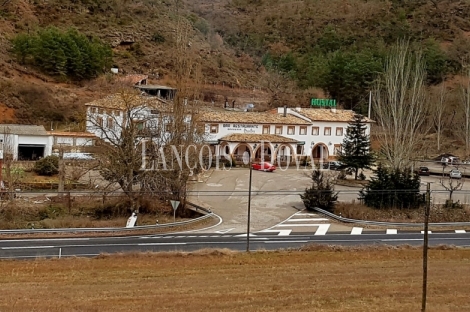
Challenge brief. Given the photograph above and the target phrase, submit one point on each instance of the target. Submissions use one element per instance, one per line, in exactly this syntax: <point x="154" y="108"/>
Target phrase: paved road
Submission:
<point x="89" y="247"/>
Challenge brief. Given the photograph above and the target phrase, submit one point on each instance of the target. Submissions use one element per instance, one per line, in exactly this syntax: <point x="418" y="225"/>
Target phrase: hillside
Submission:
<point x="141" y="34"/>
<point x="267" y="52"/>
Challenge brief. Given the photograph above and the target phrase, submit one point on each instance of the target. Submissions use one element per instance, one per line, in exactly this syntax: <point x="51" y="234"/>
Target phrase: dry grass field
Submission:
<point x="314" y="279"/>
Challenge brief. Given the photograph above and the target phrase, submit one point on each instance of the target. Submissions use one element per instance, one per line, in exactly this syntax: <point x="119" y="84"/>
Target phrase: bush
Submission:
<point x="47" y="166"/>
<point x="321" y="194"/>
<point x="393" y="189"/>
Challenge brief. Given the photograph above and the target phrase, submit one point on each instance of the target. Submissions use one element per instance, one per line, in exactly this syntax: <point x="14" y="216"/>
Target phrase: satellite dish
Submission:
<point x="250" y="106"/>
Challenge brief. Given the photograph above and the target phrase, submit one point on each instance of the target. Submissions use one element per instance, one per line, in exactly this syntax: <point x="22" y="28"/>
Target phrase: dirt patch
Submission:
<point x="324" y="279"/>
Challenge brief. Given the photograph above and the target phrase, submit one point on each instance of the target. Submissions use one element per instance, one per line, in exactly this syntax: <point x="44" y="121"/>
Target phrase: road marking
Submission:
<point x="310" y="224"/>
<point x="215" y="236"/>
<point x="322" y="229"/>
<point x="225" y="231"/>
<point x="429" y="232"/>
<point x="28" y="247"/>
<point x="281" y="232"/>
<point x="160" y="244"/>
<point x="283" y="242"/>
<point x="460" y="231"/>
<point x="391" y="231"/>
<point x="356" y="231"/>
<point x="168" y="236"/>
<point x="307" y="214"/>
<point x="310" y="219"/>
<point x="244" y="235"/>
<point x="180" y="236"/>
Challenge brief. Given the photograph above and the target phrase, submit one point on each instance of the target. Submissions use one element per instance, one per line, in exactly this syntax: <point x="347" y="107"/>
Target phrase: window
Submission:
<point x="278" y="130"/>
<point x="154" y="111"/>
<point x="139" y="125"/>
<point x="327" y="131"/>
<point x="290" y="130"/>
<point x="337" y="149"/>
<point x="110" y="123"/>
<point x="303" y="130"/>
<point x="214" y="129"/>
<point x="168" y="127"/>
<point x="100" y="111"/>
<point x="266" y="129"/>
<point x="99" y="122"/>
<point x="315" y="130"/>
<point x="339" y="131"/>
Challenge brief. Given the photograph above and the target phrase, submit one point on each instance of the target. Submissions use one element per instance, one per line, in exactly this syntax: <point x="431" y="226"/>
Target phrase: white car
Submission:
<point x="455" y="174"/>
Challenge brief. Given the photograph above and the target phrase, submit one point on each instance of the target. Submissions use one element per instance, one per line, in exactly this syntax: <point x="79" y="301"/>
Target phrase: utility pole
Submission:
<point x="370" y="104"/>
<point x="427" y="210"/>
<point x="249" y="207"/>
<point x="61" y="170"/>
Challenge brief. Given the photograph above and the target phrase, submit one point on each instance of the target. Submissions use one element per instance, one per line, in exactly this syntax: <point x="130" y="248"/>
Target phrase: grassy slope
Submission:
<point x="329" y="280"/>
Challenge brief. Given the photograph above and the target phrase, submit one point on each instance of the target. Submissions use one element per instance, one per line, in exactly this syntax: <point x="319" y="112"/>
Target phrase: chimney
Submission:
<point x="285" y="111"/>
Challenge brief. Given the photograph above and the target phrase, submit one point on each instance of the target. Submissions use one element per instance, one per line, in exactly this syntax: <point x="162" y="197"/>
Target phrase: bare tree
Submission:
<point x="438" y="110"/>
<point x="8" y="157"/>
<point x="451" y="185"/>
<point x="399" y="104"/>
<point x="465" y="110"/>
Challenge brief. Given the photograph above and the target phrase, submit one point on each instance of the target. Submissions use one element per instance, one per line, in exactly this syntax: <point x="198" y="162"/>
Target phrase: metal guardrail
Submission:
<point x="380" y="223"/>
<point x="208" y="214"/>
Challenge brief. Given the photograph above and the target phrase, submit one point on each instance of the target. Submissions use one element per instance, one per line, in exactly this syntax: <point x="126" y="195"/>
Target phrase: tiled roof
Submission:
<point x="133" y="79"/>
<point x="322" y="114"/>
<point x="71" y="134"/>
<point x="125" y="101"/>
<point x="250" y="118"/>
<point x="22" y="129"/>
<point x="253" y="138"/>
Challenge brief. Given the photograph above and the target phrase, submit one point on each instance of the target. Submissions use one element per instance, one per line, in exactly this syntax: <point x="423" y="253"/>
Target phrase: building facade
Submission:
<point x="280" y="135"/>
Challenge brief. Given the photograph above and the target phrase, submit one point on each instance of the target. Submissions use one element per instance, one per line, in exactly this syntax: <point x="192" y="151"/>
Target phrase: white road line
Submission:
<point x="160" y="244"/>
<point x="308" y="224"/>
<point x="281" y="232"/>
<point x="310" y="219"/>
<point x="168" y="236"/>
<point x="283" y="242"/>
<point x="356" y="231"/>
<point x="460" y="231"/>
<point x="322" y="229"/>
<point x="29" y="247"/>
<point x="429" y="232"/>
<point x="391" y="231"/>
<point x="180" y="236"/>
<point x="244" y="235"/>
<point x="215" y="236"/>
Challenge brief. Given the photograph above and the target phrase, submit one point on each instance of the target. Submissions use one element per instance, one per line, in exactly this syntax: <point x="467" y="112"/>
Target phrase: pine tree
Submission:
<point x="355" y="151"/>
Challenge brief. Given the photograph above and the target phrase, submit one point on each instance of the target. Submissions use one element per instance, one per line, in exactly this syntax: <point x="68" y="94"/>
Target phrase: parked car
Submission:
<point x="333" y="165"/>
<point x="423" y="171"/>
<point x="455" y="174"/>
<point x="263" y="166"/>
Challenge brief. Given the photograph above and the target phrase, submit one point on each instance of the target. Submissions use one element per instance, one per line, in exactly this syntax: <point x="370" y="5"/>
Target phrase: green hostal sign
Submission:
<point x="323" y="103"/>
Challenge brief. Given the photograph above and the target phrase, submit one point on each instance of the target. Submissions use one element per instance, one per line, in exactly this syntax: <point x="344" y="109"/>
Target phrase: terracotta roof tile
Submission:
<point x="240" y="137"/>
<point x="250" y="117"/>
<point x="125" y="101"/>
<point x="133" y="79"/>
<point x="322" y="114"/>
<point x="71" y="134"/>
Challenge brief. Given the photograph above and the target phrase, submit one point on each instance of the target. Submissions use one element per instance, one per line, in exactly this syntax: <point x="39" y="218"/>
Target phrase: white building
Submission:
<point x="25" y="142"/>
<point x="282" y="134"/>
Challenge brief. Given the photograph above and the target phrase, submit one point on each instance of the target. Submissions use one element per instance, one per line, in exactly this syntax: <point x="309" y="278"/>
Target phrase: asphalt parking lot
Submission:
<point x="275" y="195"/>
